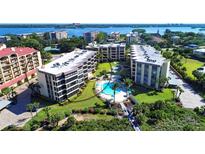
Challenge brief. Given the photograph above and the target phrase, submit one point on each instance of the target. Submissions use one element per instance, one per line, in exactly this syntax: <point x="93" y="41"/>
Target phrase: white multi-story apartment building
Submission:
<point x="108" y="52"/>
<point x="148" y="65"/>
<point x="63" y="77"/>
<point x="17" y="64"/>
<point x="132" y="37"/>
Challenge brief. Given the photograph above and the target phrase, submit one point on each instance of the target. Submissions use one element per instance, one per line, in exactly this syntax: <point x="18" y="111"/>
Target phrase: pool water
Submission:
<point x="109" y="91"/>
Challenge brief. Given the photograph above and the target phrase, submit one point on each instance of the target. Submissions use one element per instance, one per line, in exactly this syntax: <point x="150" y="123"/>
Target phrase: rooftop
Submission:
<point x="51" y="49"/>
<point x="16" y="50"/>
<point x="133" y="34"/>
<point x="60" y="31"/>
<point x="147" y="54"/>
<point x="94" y="45"/>
<point x="4" y="103"/>
<point x="201" y="69"/>
<point x="67" y="63"/>
<point x="200" y="50"/>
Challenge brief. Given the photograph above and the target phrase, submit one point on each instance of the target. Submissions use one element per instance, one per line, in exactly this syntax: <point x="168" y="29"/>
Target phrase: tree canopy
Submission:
<point x="101" y="37"/>
<point x="68" y="45"/>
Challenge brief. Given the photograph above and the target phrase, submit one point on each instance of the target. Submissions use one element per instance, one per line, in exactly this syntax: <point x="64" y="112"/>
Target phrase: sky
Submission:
<point x="102" y="11"/>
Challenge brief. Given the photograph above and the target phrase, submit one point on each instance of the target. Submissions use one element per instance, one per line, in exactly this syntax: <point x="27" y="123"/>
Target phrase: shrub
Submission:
<point x="97" y="105"/>
<point x="103" y="111"/>
<point x="152" y="121"/>
<point x="60" y="103"/>
<point x="96" y="111"/>
<point x="91" y="110"/>
<point x="188" y="128"/>
<point x="12" y="128"/>
<point x="67" y="113"/>
<point x="35" y="124"/>
<point x="85" y="110"/>
<point x="112" y="112"/>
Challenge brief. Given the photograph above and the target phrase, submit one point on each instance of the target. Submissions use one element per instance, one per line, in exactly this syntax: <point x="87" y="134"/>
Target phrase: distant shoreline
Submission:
<point x="74" y="26"/>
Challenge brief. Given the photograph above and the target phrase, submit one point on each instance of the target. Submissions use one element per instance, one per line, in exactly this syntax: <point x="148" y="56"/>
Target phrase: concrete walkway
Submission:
<point x="131" y="118"/>
<point x="189" y="98"/>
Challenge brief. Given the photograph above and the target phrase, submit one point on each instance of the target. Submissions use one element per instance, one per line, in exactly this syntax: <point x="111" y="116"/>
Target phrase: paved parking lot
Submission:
<point x="17" y="114"/>
<point x="189" y="98"/>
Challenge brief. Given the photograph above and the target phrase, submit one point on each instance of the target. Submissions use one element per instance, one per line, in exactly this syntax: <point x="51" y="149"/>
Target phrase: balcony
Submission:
<point x="14" y="61"/>
<point x="15" y="65"/>
<point x="5" y="64"/>
<point x="22" y="60"/>
<point x="5" y="69"/>
<point x="7" y="74"/>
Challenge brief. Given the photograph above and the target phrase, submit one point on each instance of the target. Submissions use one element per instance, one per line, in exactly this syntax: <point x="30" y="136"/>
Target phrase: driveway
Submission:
<point x="17" y="114"/>
<point x="189" y="98"/>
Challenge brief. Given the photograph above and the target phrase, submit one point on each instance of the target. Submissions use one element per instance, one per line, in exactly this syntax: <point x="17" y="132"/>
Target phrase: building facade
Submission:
<point x="17" y="64"/>
<point x="2" y="46"/>
<point x="63" y="77"/>
<point x="4" y="39"/>
<point x="109" y="52"/>
<point x="59" y="35"/>
<point x="115" y="35"/>
<point x="90" y="36"/>
<point x="148" y="66"/>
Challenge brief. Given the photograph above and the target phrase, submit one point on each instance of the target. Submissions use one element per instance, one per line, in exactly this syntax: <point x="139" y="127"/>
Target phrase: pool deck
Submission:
<point x="119" y="97"/>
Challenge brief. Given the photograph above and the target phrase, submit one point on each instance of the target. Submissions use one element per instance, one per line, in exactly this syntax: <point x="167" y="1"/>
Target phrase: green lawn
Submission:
<point x="87" y="98"/>
<point x="191" y="65"/>
<point x="104" y="66"/>
<point x="80" y="103"/>
<point x="151" y="96"/>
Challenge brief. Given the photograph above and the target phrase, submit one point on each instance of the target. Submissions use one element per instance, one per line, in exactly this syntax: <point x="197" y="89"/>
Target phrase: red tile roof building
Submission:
<point x="16" y="64"/>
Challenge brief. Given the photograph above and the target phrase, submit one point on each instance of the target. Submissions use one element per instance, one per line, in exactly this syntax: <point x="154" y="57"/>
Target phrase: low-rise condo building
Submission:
<point x="201" y="70"/>
<point x="108" y="52"/>
<point x="63" y="77"/>
<point x="148" y="65"/>
<point x="17" y="64"/>
<point x="4" y="39"/>
<point x="199" y="52"/>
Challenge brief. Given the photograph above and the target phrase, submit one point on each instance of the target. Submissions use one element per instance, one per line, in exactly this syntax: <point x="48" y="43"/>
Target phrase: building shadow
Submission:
<point x="23" y="99"/>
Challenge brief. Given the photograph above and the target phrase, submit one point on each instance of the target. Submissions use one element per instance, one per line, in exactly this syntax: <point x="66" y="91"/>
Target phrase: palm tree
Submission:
<point x="128" y="83"/>
<point x="36" y="106"/>
<point x="164" y="81"/>
<point x="46" y="110"/>
<point x="30" y="108"/>
<point x="174" y="94"/>
<point x="104" y="73"/>
<point x="55" y="118"/>
<point x="127" y="54"/>
<point x="99" y="55"/>
<point x="123" y="73"/>
<point x="114" y="88"/>
<point x="180" y="91"/>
